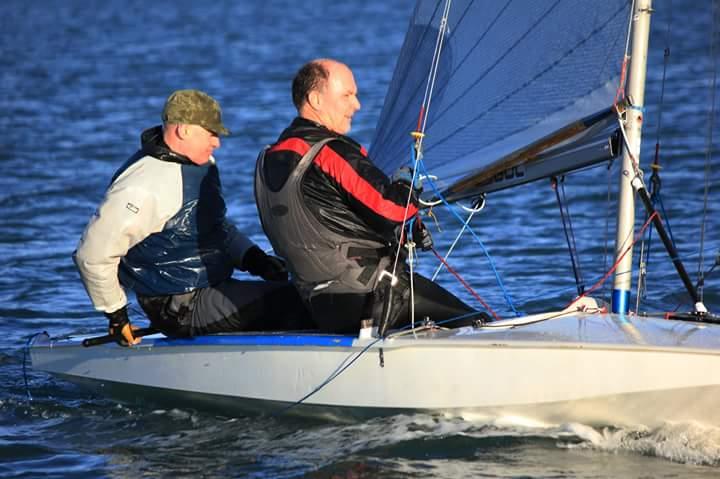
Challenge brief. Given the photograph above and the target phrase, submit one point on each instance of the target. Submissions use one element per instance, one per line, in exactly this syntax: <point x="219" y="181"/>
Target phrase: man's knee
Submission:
<point x="339" y="312"/>
<point x="167" y="315"/>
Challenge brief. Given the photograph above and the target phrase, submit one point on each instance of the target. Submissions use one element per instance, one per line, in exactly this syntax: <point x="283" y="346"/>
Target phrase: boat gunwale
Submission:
<point x="231" y="343"/>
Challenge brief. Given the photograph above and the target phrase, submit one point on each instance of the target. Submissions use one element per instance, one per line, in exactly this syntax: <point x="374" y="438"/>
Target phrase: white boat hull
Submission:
<point x="594" y="369"/>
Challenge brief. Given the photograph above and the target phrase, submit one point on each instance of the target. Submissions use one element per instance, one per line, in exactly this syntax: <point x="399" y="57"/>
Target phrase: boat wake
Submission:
<point x="687" y="443"/>
<point x="141" y="438"/>
<point x="416" y="437"/>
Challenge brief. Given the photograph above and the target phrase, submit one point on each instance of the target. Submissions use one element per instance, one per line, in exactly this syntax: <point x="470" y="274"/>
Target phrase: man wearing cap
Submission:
<point x="161" y="231"/>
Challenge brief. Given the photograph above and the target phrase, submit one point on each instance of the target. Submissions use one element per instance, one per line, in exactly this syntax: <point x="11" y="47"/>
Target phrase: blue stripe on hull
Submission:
<point x="260" y="340"/>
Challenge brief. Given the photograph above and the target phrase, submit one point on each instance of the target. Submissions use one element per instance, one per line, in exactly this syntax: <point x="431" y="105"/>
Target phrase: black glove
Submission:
<point x="404" y="174"/>
<point x="421" y="235"/>
<point x="269" y="268"/>
<point x="117" y="322"/>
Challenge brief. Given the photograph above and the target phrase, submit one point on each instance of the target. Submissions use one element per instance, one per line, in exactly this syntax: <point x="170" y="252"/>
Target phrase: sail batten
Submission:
<point x="578" y="145"/>
<point x="510" y="74"/>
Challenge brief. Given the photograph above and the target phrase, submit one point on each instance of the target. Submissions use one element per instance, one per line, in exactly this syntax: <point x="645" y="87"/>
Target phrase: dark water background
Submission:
<point x="80" y="79"/>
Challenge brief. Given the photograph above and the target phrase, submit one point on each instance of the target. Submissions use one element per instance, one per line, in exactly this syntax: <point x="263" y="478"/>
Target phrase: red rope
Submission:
<point x="617" y="263"/>
<point x="420" y="117"/>
<point x="620" y="93"/>
<point x="467" y="286"/>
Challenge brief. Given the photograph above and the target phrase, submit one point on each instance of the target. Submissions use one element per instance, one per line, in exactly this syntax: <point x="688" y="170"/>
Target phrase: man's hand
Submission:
<point x="404" y="174"/>
<point x="120" y="327"/>
<point x="274" y="270"/>
<point x="269" y="268"/>
<point x="421" y="235"/>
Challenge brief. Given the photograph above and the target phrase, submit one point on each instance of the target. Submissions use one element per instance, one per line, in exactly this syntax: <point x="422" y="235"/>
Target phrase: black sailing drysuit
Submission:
<point x="332" y="214"/>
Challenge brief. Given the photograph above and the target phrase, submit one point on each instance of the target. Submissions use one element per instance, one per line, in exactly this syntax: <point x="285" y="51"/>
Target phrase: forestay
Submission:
<point x="514" y="79"/>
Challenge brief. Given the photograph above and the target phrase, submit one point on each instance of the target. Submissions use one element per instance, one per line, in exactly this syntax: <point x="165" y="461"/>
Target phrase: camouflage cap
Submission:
<point x="193" y="107"/>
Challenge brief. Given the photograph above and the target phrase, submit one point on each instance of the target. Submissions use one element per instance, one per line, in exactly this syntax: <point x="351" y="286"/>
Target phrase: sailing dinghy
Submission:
<point x="494" y="94"/>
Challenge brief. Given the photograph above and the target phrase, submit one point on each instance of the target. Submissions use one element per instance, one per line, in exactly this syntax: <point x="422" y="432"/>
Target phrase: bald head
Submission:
<point x="324" y="91"/>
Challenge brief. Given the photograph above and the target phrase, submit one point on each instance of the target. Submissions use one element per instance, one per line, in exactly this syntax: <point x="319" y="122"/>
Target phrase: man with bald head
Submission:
<point x="334" y="216"/>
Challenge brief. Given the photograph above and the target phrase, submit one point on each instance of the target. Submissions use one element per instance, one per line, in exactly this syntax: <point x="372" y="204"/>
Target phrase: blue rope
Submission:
<point x="463" y="222"/>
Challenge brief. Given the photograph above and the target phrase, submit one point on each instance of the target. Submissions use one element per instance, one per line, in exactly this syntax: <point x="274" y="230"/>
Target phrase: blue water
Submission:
<point x="80" y="79"/>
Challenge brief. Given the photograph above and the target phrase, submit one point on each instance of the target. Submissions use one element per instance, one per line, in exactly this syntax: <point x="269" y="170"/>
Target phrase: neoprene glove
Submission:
<point x="269" y="268"/>
<point x="421" y="235"/>
<point x="117" y="320"/>
<point x="404" y="174"/>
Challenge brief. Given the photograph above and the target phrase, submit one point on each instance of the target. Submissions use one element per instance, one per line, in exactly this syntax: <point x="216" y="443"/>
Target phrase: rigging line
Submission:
<point x="425" y="108"/>
<point x="404" y="109"/>
<point x="416" y="160"/>
<point x="558" y="292"/>
<point x="629" y="30"/>
<point x="503" y="101"/>
<point x="466" y="285"/>
<point x="26" y="351"/>
<point x="568" y="229"/>
<point x="620" y="93"/>
<point x="452" y="246"/>
<point x="607" y="215"/>
<point x="478" y="207"/>
<point x="696" y="254"/>
<point x="506" y="295"/>
<point x="435" y="58"/>
<point x="661" y="101"/>
<point x="417" y="153"/>
<point x="656" y="200"/>
<point x="389" y="107"/>
<point x="411" y="258"/>
<point x="644" y="257"/>
<point x="667" y="220"/>
<point x="579" y="276"/>
<point x="634" y="163"/>
<point x="347" y="362"/>
<point x="685" y="257"/>
<point x="704" y="276"/>
<point x="340" y="369"/>
<point x="617" y="263"/>
<point x="642" y="278"/>
<point x="709" y="145"/>
<point x="626" y="143"/>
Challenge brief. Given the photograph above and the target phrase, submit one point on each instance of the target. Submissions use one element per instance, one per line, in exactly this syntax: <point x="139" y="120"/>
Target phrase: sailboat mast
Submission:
<point x="633" y="128"/>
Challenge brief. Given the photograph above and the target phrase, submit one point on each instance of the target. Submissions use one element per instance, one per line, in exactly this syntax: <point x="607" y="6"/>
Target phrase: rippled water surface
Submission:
<point x="79" y="80"/>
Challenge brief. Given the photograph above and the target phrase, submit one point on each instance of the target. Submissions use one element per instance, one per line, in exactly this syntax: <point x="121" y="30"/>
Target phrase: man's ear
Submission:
<point x="314" y="100"/>
<point x="182" y="131"/>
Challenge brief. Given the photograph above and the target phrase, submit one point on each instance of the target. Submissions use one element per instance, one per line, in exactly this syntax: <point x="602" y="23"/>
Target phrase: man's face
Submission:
<point x="199" y="144"/>
<point x="338" y="99"/>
